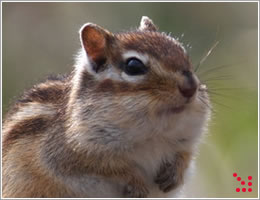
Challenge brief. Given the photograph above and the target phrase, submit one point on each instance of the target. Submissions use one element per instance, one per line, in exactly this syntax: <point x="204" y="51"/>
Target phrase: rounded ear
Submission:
<point x="94" y="40"/>
<point x="147" y="24"/>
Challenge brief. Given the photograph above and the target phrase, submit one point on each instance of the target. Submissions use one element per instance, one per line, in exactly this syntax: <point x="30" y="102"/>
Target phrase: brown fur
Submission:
<point x="161" y="48"/>
<point x="75" y="126"/>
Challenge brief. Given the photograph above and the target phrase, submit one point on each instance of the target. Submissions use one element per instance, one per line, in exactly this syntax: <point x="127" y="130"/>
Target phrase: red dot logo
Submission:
<point x="249" y="183"/>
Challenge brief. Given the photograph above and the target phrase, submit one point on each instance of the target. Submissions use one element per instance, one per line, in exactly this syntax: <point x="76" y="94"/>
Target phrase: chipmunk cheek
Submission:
<point x="106" y="86"/>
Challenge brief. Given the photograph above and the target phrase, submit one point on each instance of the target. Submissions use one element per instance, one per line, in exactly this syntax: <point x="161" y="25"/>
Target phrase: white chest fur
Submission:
<point x="151" y="145"/>
<point x="181" y="133"/>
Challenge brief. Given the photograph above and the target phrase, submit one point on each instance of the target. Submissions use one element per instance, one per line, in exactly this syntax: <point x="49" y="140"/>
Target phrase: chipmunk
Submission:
<point x="124" y="123"/>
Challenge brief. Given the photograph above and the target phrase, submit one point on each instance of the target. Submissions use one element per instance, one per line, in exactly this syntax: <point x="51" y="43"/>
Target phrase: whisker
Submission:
<point x="225" y="77"/>
<point x="219" y="67"/>
<point x="212" y="69"/>
<point x="206" y="104"/>
<point x="206" y="56"/>
<point x="221" y="104"/>
<point x="221" y="95"/>
<point x="227" y="88"/>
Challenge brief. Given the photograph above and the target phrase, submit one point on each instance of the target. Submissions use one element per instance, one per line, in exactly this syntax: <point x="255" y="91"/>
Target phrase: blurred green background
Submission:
<point x="42" y="38"/>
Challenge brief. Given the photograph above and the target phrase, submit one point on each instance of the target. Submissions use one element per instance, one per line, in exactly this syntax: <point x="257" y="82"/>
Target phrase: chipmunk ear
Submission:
<point x="94" y="40"/>
<point x="147" y="24"/>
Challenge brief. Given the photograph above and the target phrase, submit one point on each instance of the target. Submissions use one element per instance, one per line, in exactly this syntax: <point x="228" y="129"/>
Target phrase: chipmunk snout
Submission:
<point x="189" y="85"/>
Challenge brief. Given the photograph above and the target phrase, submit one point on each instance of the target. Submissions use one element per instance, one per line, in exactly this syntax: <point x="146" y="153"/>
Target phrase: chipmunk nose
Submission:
<point x="189" y="84"/>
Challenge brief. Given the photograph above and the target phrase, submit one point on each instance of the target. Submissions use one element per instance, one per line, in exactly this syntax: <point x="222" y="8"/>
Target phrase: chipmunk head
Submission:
<point x="144" y="66"/>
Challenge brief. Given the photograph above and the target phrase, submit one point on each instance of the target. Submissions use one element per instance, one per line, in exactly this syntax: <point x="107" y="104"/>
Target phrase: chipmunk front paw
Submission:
<point x="168" y="177"/>
<point x="171" y="173"/>
<point x="133" y="191"/>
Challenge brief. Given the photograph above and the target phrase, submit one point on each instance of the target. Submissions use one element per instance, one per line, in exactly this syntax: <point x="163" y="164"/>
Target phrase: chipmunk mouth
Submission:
<point x="169" y="110"/>
<point x="176" y="109"/>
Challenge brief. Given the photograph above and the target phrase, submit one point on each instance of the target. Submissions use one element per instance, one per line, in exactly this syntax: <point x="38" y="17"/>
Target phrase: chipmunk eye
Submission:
<point x="135" y="67"/>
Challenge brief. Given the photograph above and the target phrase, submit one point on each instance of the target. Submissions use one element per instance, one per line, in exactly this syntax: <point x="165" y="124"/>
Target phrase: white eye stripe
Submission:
<point x="134" y="54"/>
<point x="133" y="79"/>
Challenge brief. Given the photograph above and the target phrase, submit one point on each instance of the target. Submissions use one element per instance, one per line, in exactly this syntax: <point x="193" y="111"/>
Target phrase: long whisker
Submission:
<point x="221" y="104"/>
<point x="219" y="67"/>
<point x="214" y="89"/>
<point x="206" y="56"/>
<point x="219" y="94"/>
<point x="225" y="77"/>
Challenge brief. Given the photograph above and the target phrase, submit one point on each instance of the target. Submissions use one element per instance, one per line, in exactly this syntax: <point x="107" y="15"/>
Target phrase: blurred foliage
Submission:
<point x="41" y="38"/>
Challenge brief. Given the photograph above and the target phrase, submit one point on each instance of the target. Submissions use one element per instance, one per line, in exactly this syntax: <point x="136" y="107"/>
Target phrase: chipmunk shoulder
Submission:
<point x="124" y="123"/>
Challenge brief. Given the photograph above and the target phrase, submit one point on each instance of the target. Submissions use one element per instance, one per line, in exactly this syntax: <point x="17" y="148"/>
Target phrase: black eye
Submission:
<point x="135" y="67"/>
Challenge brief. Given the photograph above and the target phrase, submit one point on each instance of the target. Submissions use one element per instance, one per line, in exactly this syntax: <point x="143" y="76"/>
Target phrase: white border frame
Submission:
<point x="10" y="1"/>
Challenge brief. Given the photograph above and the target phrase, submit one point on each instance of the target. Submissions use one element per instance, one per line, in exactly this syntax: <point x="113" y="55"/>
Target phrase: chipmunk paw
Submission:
<point x="168" y="178"/>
